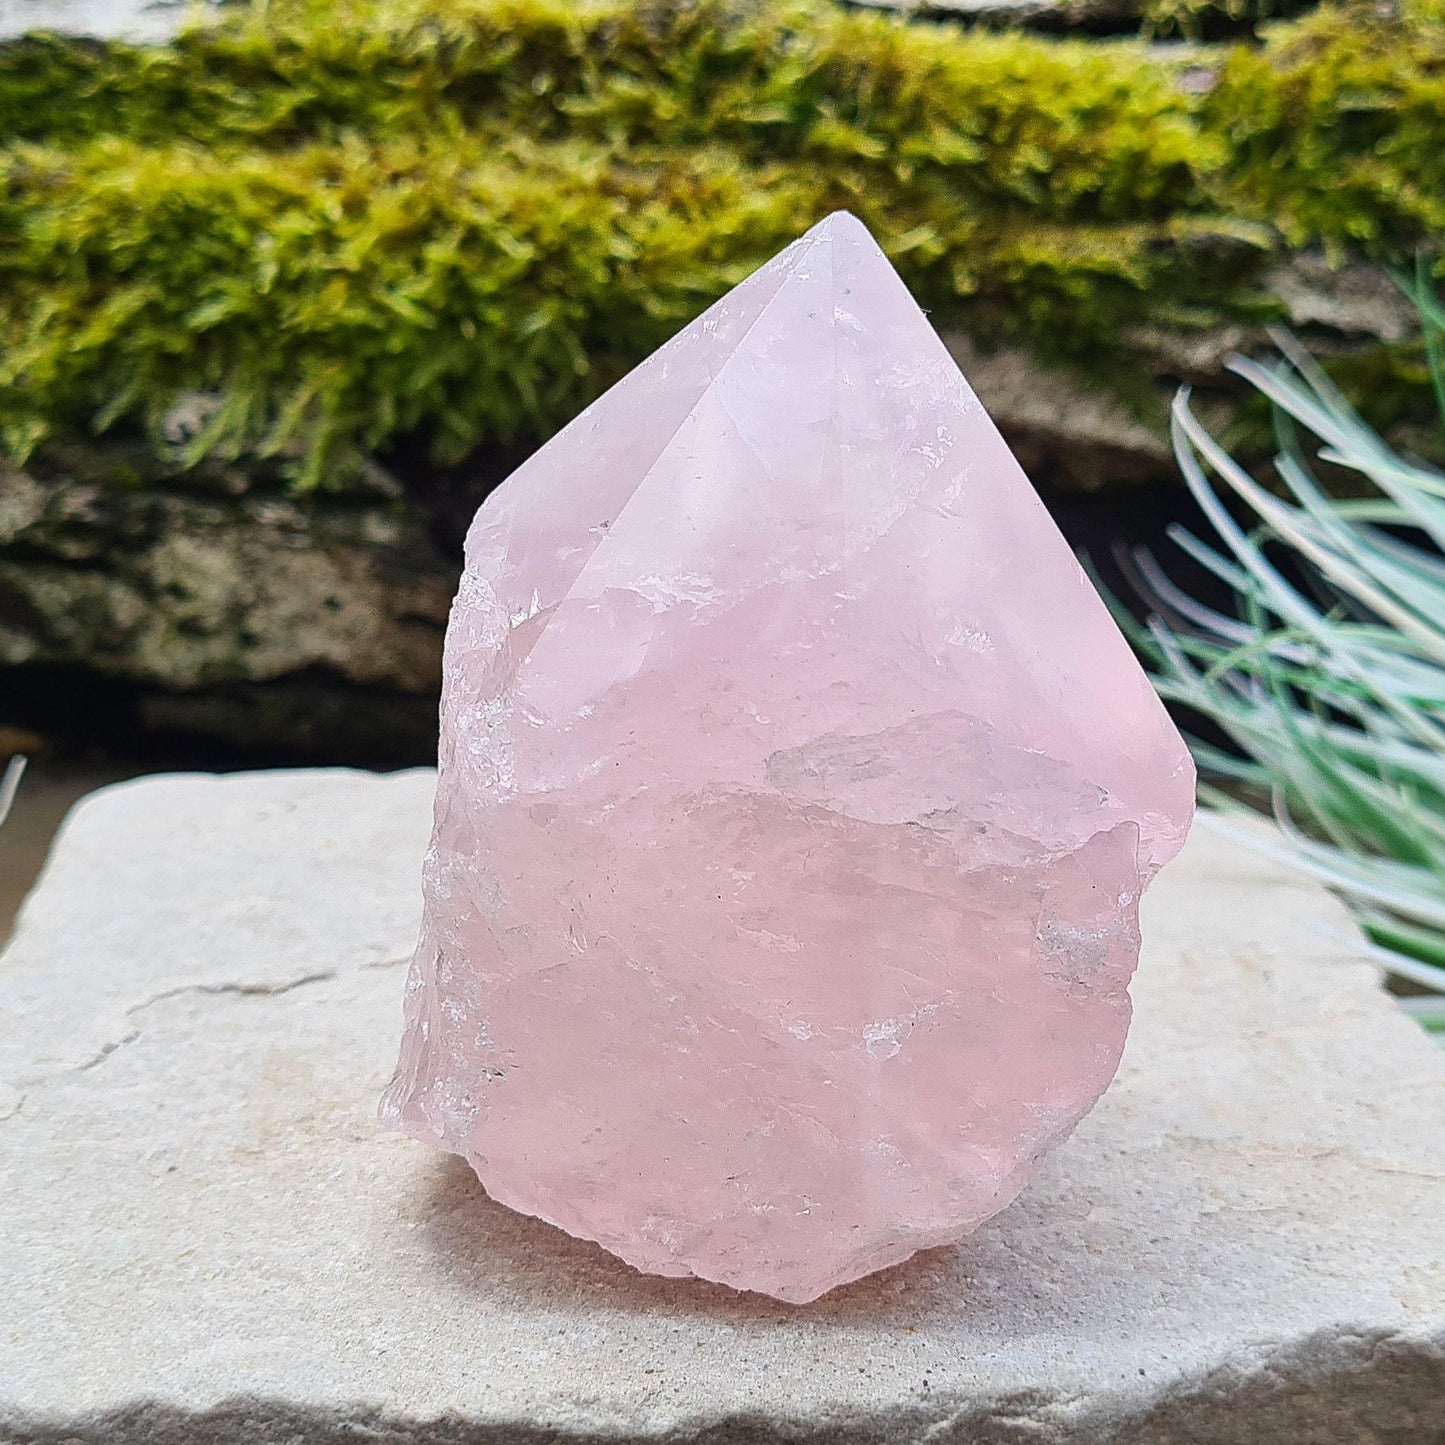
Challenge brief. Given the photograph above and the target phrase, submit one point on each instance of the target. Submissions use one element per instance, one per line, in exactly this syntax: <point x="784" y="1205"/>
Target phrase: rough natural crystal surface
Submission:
<point x="797" y="795"/>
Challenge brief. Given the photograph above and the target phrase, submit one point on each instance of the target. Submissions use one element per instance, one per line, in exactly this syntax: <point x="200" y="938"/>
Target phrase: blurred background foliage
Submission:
<point x="454" y="221"/>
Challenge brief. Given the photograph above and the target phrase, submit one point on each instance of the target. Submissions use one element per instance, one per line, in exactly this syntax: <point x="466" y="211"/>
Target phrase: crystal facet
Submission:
<point x="797" y="793"/>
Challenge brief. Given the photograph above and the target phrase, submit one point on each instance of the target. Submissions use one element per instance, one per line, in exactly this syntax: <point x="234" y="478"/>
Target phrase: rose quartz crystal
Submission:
<point x="797" y="793"/>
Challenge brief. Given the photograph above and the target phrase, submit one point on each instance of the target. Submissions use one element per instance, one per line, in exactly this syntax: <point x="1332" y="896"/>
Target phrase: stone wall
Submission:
<point x="223" y="607"/>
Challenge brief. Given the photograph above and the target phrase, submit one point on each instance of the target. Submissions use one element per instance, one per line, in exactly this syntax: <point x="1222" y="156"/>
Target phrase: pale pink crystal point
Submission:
<point x="797" y="792"/>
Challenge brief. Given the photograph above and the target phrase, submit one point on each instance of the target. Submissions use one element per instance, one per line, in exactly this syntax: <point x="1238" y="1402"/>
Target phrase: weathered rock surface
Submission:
<point x="1336" y="310"/>
<point x="206" y="1237"/>
<point x="1077" y="430"/>
<point x="251" y="617"/>
<point x="1057" y="423"/>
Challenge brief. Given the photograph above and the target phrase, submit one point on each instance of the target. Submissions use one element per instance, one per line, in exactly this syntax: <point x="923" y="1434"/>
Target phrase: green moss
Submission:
<point x="775" y="74"/>
<point x="336" y="297"/>
<point x="460" y="218"/>
<point x="1334" y="128"/>
<point x="1193" y="19"/>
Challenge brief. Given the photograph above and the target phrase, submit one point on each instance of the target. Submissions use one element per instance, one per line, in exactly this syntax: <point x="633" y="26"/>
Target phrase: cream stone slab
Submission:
<point x="204" y="1235"/>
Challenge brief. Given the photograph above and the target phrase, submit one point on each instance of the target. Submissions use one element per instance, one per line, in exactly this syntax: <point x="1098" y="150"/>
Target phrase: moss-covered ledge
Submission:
<point x="453" y="221"/>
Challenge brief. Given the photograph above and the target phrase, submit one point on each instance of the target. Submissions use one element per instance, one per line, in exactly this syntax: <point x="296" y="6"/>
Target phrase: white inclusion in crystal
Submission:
<point x="891" y="1154"/>
<point x="526" y="614"/>
<point x="886" y="1038"/>
<point x="973" y="639"/>
<point x="1078" y="956"/>
<point x="664" y="592"/>
<point x="936" y="450"/>
<point x="779" y="942"/>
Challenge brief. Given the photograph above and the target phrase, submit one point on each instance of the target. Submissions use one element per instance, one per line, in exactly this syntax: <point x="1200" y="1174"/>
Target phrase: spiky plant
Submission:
<point x="10" y="784"/>
<point x="1328" y="682"/>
